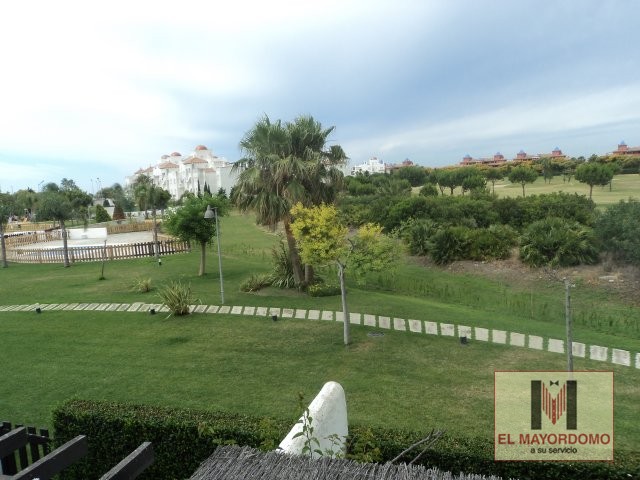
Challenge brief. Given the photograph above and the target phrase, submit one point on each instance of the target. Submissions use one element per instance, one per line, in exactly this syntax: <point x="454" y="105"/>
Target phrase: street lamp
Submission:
<point x="209" y="214"/>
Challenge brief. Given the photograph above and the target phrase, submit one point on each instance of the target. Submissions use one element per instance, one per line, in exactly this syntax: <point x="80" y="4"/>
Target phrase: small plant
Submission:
<point x="177" y="297"/>
<point x="255" y="282"/>
<point x="323" y="290"/>
<point x="311" y="442"/>
<point x="141" y="285"/>
<point x="282" y="276"/>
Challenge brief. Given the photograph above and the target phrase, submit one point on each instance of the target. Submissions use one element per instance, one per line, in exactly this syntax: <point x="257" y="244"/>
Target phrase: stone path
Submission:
<point x="515" y="339"/>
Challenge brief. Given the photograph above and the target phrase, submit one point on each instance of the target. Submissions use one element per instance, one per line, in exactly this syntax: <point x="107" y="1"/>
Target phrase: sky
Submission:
<point x="92" y="91"/>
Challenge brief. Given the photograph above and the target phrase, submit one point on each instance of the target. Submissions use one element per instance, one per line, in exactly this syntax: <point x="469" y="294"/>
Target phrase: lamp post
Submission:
<point x="209" y="214"/>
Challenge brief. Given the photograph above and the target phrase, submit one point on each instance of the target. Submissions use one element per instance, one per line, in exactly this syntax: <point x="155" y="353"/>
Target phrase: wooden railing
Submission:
<point x="97" y="253"/>
<point x="28" y="238"/>
<point x="145" y="226"/>
<point x="35" y="226"/>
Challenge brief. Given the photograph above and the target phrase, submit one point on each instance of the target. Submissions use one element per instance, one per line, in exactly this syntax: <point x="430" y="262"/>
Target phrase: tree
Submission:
<point x="493" y="175"/>
<point x="448" y="179"/>
<point x="323" y="239"/>
<point x="7" y="206"/>
<point x="188" y="223"/>
<point x="473" y="182"/>
<point x="414" y="174"/>
<point x="54" y="205"/>
<point x="78" y="198"/>
<point x="101" y="214"/>
<point x="285" y="164"/>
<point x="523" y="175"/>
<point x="593" y="173"/>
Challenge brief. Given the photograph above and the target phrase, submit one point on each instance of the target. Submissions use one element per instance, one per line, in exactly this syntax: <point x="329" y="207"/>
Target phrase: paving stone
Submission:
<point x="213" y="309"/>
<point x="599" y="353"/>
<point x="481" y="333"/>
<point x="81" y="306"/>
<point x="4" y="308"/>
<point x="355" y="318"/>
<point x="384" y="322"/>
<point x="135" y="307"/>
<point x="93" y="306"/>
<point x="535" y="342"/>
<point x="52" y="306"/>
<point x="621" y="357"/>
<point x="274" y="311"/>
<point x="163" y="308"/>
<point x="26" y="308"/>
<point x="578" y="349"/>
<point x="287" y="313"/>
<point x="314" y="315"/>
<point x="224" y="309"/>
<point x="464" y="331"/>
<point x="415" y="326"/>
<point x="261" y="311"/>
<point x="369" y="320"/>
<point x="249" y="310"/>
<point x="71" y="306"/>
<point x="447" y="329"/>
<point x="555" y="345"/>
<point x="637" y="360"/>
<point x="499" y="336"/>
<point x="517" y="339"/>
<point x="201" y="309"/>
<point x="102" y="307"/>
<point x="236" y="310"/>
<point x="301" y="313"/>
<point x="113" y="307"/>
<point x="431" y="327"/>
<point x="327" y="315"/>
<point x="399" y="324"/>
<point x="339" y="316"/>
<point x="123" y="307"/>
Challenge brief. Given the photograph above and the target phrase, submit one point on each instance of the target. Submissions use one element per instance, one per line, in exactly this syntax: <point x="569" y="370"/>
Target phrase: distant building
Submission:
<point x="623" y="149"/>
<point x="178" y="175"/>
<point x="397" y="166"/>
<point x="498" y="158"/>
<point x="373" y="165"/>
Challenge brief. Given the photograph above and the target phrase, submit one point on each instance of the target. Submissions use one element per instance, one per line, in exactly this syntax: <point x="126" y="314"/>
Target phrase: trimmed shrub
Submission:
<point x="557" y="242"/>
<point x="118" y="213"/>
<point x="101" y="214"/>
<point x="429" y="190"/>
<point x="182" y="439"/>
<point x="323" y="290"/>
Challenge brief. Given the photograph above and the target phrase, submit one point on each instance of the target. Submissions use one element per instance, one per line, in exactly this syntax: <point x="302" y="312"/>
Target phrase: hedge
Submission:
<point x="182" y="439"/>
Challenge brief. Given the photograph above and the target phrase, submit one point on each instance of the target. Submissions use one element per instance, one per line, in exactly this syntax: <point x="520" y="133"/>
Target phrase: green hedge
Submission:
<point x="182" y="439"/>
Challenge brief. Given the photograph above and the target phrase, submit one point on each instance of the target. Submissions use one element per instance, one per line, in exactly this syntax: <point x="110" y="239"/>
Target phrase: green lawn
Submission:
<point x="622" y="187"/>
<point x="255" y="365"/>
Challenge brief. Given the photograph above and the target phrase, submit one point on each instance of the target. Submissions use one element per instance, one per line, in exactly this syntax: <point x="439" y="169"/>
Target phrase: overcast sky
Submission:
<point x="95" y="90"/>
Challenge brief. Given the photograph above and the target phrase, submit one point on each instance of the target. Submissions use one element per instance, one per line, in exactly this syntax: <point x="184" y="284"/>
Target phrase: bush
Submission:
<point x="557" y="242"/>
<point x="118" y="213"/>
<point x="520" y="212"/>
<point x="449" y="244"/>
<point x="177" y="297"/>
<point x="101" y="214"/>
<point x="618" y="228"/>
<point x="429" y="190"/>
<point x="141" y="285"/>
<point x="256" y="282"/>
<point x="490" y="243"/>
<point x="323" y="290"/>
<point x="182" y="439"/>
<point x="282" y="275"/>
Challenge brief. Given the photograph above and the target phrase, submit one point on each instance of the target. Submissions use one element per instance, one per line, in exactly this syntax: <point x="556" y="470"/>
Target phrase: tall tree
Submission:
<point x="594" y="173"/>
<point x="188" y="223"/>
<point x="285" y="164"/>
<point x="493" y="175"/>
<point x="323" y="239"/>
<point x="54" y="205"/>
<point x="523" y="174"/>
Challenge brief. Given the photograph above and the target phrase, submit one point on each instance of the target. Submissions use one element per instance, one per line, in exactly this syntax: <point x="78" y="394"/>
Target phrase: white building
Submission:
<point x="373" y="165"/>
<point x="178" y="174"/>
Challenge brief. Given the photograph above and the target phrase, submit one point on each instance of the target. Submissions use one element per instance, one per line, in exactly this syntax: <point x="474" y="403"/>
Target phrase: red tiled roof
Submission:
<point x="167" y="165"/>
<point x="191" y="160"/>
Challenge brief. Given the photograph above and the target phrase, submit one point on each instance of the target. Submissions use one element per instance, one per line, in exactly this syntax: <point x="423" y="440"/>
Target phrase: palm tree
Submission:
<point x="285" y="164"/>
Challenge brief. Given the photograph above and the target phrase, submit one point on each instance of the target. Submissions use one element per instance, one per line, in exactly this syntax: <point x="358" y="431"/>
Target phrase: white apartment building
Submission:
<point x="178" y="174"/>
<point x="373" y="165"/>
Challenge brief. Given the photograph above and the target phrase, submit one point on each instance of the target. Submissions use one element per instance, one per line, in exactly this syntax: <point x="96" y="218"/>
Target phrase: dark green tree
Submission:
<point x="188" y="223"/>
<point x="7" y="209"/>
<point x="523" y="174"/>
<point x="54" y="205"/>
<point x="494" y="175"/>
<point x="594" y="173"/>
<point x="101" y="214"/>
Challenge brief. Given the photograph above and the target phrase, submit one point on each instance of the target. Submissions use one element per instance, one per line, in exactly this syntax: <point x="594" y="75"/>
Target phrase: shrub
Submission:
<point x="619" y="230"/>
<point x="557" y="242"/>
<point x="417" y="235"/>
<point x="429" y="190"/>
<point x="101" y="214"/>
<point x="177" y="297"/>
<point x="118" y="213"/>
<point x="282" y="275"/>
<point x="449" y="244"/>
<point x="494" y="242"/>
<point x="255" y="282"/>
<point x="323" y="290"/>
<point x="182" y="439"/>
<point x="141" y="285"/>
